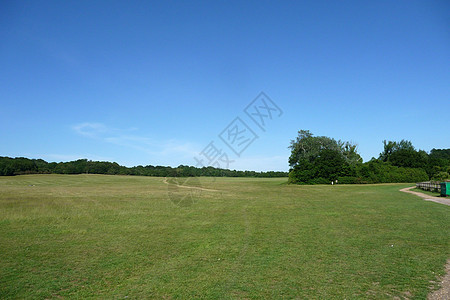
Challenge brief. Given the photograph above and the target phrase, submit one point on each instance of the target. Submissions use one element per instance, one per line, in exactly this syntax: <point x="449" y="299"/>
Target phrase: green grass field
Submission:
<point x="93" y="236"/>
<point x="434" y="194"/>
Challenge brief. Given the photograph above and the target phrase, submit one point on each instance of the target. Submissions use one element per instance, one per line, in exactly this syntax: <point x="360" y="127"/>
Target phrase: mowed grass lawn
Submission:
<point x="94" y="236"/>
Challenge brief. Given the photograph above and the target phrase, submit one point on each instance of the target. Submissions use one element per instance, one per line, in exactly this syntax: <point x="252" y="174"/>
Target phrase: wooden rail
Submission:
<point x="429" y="186"/>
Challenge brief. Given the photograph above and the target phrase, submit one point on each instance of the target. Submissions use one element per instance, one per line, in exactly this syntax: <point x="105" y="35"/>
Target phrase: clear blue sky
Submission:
<point x="141" y="82"/>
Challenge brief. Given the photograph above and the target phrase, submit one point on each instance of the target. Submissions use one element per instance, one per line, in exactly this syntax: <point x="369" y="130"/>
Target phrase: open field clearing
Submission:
<point x="83" y="236"/>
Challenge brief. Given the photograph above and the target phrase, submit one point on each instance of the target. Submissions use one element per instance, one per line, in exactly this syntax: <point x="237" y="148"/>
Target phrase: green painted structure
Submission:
<point x="445" y="189"/>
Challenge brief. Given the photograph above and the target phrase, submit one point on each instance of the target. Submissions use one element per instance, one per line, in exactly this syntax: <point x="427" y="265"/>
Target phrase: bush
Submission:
<point x="441" y="176"/>
<point x="348" y="180"/>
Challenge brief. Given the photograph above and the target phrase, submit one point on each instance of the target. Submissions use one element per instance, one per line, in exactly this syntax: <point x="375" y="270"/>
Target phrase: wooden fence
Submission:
<point x="429" y="186"/>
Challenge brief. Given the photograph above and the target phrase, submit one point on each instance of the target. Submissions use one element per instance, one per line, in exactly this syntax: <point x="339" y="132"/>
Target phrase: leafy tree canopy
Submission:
<point x="306" y="146"/>
<point x="391" y="147"/>
<point x="321" y="159"/>
<point x="17" y="166"/>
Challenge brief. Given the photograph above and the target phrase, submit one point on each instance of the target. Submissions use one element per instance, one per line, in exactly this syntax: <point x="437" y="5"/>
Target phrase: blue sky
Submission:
<point x="140" y="82"/>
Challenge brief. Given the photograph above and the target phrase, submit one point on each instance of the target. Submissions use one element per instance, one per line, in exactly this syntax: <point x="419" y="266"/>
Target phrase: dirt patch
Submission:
<point x="189" y="187"/>
<point x="441" y="200"/>
<point x="444" y="292"/>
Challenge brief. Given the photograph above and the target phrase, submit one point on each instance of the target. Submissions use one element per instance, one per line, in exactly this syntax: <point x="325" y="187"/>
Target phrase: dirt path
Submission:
<point x="190" y="187"/>
<point x="441" y="200"/>
<point x="444" y="292"/>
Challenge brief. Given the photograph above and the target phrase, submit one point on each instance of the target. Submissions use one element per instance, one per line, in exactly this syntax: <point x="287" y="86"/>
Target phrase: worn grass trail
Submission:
<point x="121" y="236"/>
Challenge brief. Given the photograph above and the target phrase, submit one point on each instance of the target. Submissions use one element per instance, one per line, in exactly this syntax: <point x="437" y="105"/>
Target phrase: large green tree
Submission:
<point x="390" y="147"/>
<point x="403" y="154"/>
<point x="320" y="159"/>
<point x="307" y="146"/>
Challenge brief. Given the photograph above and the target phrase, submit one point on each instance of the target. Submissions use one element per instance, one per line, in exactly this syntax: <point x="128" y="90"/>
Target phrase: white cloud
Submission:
<point x="121" y="137"/>
<point x="90" y="129"/>
<point x="171" y="151"/>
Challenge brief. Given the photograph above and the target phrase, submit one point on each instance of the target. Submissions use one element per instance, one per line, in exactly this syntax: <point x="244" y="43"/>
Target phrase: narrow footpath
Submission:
<point x="441" y="200"/>
<point x="444" y="292"/>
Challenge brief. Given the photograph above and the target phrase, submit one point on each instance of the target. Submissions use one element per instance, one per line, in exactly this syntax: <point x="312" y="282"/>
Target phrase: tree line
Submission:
<point x="21" y="165"/>
<point x="321" y="160"/>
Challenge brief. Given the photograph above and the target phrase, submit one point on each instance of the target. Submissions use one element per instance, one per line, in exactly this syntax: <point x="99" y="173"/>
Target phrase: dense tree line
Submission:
<point x="320" y="159"/>
<point x="21" y="165"/>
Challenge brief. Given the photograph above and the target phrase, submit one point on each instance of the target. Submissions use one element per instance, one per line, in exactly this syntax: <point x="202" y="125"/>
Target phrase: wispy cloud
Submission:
<point x="170" y="151"/>
<point x="92" y="130"/>
<point x="122" y="137"/>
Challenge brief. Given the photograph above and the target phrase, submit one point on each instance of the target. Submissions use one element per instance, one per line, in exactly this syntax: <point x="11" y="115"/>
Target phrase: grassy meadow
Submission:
<point x="430" y="193"/>
<point x="117" y="237"/>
